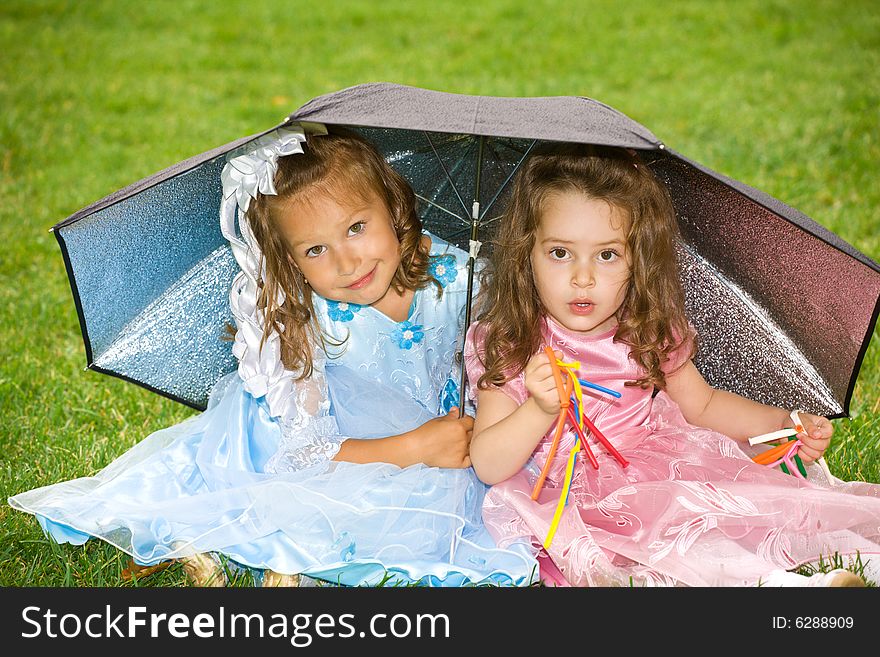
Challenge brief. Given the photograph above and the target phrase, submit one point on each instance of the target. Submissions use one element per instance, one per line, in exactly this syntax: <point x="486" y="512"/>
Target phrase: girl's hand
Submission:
<point x="815" y="438"/>
<point x="444" y="442"/>
<point x="541" y="384"/>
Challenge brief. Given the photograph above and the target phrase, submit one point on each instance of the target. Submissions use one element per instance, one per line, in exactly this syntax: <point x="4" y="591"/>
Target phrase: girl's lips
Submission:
<point x="581" y="308"/>
<point x="361" y="282"/>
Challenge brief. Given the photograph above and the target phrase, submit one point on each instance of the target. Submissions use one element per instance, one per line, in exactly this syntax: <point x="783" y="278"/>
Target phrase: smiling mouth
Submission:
<point x="361" y="282"/>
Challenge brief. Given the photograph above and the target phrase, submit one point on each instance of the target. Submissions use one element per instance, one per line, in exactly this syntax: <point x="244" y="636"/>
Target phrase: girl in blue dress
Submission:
<point x="336" y="450"/>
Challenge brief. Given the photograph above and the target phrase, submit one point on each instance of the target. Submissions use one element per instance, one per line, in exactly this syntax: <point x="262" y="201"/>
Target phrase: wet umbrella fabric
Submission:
<point x="783" y="307"/>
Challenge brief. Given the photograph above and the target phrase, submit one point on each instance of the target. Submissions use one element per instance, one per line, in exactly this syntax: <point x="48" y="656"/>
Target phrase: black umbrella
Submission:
<point x="784" y="308"/>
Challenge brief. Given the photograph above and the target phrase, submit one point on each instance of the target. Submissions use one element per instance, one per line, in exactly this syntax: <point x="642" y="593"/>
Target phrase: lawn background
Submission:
<point x="96" y="95"/>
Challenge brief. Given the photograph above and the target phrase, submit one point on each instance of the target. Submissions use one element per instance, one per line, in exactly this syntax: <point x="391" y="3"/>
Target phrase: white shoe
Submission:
<point x="838" y="578"/>
<point x="204" y="570"/>
<point x="271" y="579"/>
<point x="834" y="578"/>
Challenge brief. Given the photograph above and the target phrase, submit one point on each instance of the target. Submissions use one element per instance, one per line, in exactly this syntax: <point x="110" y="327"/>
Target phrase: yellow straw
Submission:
<point x="569" y="468"/>
<point x="560" y="505"/>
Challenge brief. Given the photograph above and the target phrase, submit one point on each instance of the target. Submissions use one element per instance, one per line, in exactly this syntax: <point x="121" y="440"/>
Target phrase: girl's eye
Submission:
<point x="315" y="251"/>
<point x="558" y="253"/>
<point x="608" y="255"/>
<point x="354" y="229"/>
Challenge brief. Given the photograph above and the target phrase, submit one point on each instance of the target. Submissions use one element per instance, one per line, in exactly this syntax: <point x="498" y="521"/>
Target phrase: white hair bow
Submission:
<point x="249" y="171"/>
<point x="252" y="172"/>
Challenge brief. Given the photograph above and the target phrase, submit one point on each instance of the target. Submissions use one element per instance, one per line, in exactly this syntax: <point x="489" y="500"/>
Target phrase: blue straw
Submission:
<point x="607" y="391"/>
<point x="574" y="465"/>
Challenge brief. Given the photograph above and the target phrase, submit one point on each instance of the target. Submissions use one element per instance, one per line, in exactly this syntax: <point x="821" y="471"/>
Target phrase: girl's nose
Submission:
<point x="583" y="277"/>
<point x="347" y="262"/>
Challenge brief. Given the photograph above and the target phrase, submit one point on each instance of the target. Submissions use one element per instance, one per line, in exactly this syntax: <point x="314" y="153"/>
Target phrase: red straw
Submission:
<point x="602" y="439"/>
<point x="583" y="438"/>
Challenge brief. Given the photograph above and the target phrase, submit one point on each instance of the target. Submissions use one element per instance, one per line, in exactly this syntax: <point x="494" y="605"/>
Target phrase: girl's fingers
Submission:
<point x="814" y="441"/>
<point x="540" y="360"/>
<point x="544" y="387"/>
<point x="816" y="438"/>
<point x="808" y="455"/>
<point x="824" y="430"/>
<point x="819" y="427"/>
<point x="543" y="375"/>
<point x="813" y="448"/>
<point x="540" y="373"/>
<point x="539" y="368"/>
<point x="812" y="445"/>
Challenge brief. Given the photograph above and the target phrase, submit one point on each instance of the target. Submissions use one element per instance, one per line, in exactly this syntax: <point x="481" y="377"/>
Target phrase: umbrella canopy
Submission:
<point x="783" y="307"/>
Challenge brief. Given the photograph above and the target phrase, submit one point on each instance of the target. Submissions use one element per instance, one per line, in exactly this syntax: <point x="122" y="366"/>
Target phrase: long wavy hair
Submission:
<point x="342" y="166"/>
<point x="651" y="319"/>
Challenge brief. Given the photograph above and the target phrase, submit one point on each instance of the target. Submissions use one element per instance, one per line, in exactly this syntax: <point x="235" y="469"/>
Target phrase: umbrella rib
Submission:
<point x="446" y="173"/>
<point x="504" y="184"/>
<point x="438" y="206"/>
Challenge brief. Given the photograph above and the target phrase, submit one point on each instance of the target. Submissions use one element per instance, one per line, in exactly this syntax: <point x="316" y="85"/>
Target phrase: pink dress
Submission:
<point x="691" y="508"/>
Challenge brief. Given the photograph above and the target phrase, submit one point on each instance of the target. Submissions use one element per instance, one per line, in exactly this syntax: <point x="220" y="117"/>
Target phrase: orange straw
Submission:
<point x="564" y="388"/>
<point x="564" y="401"/>
<point x="771" y="454"/>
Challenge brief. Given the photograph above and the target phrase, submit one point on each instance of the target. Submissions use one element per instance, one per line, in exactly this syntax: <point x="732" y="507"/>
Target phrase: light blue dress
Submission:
<point x="235" y="481"/>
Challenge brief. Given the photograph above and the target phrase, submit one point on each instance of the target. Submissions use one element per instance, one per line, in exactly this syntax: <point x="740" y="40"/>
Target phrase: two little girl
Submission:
<point x="337" y="451"/>
<point x="585" y="266"/>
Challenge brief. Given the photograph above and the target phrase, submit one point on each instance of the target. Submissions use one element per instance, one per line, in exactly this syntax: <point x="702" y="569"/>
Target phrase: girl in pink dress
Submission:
<point x="585" y="264"/>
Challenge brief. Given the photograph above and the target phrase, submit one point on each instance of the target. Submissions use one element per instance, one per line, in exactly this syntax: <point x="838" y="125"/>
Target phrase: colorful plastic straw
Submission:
<point x="564" y="401"/>
<point x="576" y="416"/>
<point x="785" y="455"/>
<point x="796" y="418"/>
<point x="785" y="462"/>
<point x="771" y="454"/>
<point x="571" y="410"/>
<point x="799" y="427"/>
<point x="595" y="386"/>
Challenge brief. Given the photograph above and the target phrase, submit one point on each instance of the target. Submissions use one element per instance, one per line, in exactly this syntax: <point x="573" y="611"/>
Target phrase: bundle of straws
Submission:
<point x="570" y="392"/>
<point x="785" y="455"/>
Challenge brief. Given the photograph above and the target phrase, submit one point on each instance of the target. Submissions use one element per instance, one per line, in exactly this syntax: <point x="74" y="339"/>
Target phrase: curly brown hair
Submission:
<point x="340" y="165"/>
<point x="651" y="319"/>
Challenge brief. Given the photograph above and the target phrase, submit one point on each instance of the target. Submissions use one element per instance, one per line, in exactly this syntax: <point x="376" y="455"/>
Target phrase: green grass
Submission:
<point x="95" y="95"/>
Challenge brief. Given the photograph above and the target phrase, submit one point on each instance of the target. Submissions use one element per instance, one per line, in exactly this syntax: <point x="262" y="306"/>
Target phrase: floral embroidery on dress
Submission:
<point x="612" y="501"/>
<point x="449" y="396"/>
<point x="341" y="311"/>
<point x="442" y="267"/>
<point x="711" y="503"/>
<point x="776" y="548"/>
<point x="406" y="334"/>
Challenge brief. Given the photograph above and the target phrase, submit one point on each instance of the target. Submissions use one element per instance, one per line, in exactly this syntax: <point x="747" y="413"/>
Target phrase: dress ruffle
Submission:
<point x="264" y="491"/>
<point x="198" y="487"/>
<point x="691" y="508"/>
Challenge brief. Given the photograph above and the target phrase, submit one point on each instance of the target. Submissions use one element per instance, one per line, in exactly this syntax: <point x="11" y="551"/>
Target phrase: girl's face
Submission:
<point x="580" y="262"/>
<point x="347" y="253"/>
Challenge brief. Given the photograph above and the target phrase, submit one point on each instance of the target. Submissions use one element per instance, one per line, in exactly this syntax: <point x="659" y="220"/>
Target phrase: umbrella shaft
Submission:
<point x="475" y="215"/>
